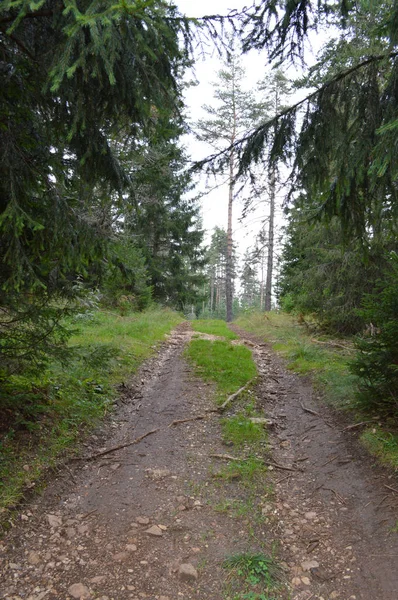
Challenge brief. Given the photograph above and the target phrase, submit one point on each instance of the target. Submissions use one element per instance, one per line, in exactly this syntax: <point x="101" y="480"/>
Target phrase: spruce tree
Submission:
<point x="79" y="83"/>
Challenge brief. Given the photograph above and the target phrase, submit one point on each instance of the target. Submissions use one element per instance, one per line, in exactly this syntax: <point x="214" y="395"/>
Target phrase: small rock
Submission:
<point x="309" y="564"/>
<point x="334" y="595"/>
<point x="131" y="548"/>
<point x="82" y="529"/>
<point x="115" y="466"/>
<point x="70" y="532"/>
<point x="142" y="520"/>
<point x="306" y="580"/>
<point x="120" y="556"/>
<point x="162" y="527"/>
<point x="54" y="521"/>
<point x="154" y="530"/>
<point x="296" y="581"/>
<point x="310" y="515"/>
<point x="98" y="579"/>
<point x="187" y="573"/>
<point x="79" y="591"/>
<point x="33" y="558"/>
<point x="158" y="473"/>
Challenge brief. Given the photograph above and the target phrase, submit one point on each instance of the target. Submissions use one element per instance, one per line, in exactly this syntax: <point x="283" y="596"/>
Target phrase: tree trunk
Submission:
<point x="229" y="261"/>
<point x="270" y="260"/>
<point x="262" y="281"/>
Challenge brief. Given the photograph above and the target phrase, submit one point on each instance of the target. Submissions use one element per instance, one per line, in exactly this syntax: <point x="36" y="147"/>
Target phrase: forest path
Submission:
<point x="150" y="520"/>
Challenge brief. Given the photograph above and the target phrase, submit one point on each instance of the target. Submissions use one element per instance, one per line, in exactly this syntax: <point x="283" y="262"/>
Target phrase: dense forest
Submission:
<point x="96" y="190"/>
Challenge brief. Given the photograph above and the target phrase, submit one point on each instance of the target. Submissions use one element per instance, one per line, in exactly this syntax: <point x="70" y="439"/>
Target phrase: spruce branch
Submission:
<point x="290" y="110"/>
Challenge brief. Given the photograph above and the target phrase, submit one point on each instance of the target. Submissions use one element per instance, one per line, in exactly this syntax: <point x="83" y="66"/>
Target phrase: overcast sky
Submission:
<point x="214" y="204"/>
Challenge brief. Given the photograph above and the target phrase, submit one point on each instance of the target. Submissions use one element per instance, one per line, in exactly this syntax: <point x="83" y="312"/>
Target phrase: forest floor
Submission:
<point x="162" y="519"/>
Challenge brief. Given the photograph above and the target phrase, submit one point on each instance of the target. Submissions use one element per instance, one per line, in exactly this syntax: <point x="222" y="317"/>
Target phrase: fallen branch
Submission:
<point x="224" y="457"/>
<point x="391" y="488"/>
<point x="338" y="496"/>
<point x="267" y="463"/>
<point x="278" y="466"/>
<point x="356" y="425"/>
<point x="136" y="441"/>
<point x="328" y="461"/>
<point x="179" y="421"/>
<point x="334" y="345"/>
<point x="308" y="410"/>
<point x="233" y="396"/>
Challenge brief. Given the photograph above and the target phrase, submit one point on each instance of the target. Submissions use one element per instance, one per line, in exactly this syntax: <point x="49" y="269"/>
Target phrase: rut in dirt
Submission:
<point x="144" y="521"/>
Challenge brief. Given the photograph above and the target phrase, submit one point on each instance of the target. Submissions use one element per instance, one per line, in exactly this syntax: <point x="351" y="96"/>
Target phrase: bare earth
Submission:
<point x="152" y="520"/>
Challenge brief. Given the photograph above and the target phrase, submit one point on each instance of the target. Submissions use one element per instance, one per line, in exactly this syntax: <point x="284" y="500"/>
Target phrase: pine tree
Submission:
<point x="234" y="111"/>
<point x="275" y="88"/>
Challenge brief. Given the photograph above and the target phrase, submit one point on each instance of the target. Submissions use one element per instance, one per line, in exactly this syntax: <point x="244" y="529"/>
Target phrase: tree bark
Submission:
<point x="270" y="259"/>
<point x="229" y="265"/>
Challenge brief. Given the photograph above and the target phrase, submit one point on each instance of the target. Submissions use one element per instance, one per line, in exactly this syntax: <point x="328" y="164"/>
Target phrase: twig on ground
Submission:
<point x="380" y="503"/>
<point x="356" y="425"/>
<point x="267" y="463"/>
<point x="391" y="488"/>
<point x="338" y="496"/>
<point x="329" y="461"/>
<point x="87" y="515"/>
<point x="278" y="466"/>
<point x="308" y="410"/>
<point x="115" y="448"/>
<point x="179" y="421"/>
<point x="283" y="478"/>
<point x="233" y="396"/>
<point x="224" y="457"/>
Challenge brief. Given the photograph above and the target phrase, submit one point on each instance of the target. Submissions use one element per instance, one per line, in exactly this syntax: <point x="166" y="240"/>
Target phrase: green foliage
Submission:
<point x="230" y="366"/>
<point x="125" y="282"/>
<point x="214" y="327"/>
<point x="66" y="181"/>
<point x="240" y="430"/>
<point x="377" y="360"/>
<point x="383" y="444"/>
<point x="248" y="470"/>
<point x="43" y="416"/>
<point x="327" y="362"/>
<point x="254" y="569"/>
<point x="324" y="275"/>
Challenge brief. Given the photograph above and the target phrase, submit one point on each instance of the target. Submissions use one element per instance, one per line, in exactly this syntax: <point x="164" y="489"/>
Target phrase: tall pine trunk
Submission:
<point x="229" y="261"/>
<point x="270" y="260"/>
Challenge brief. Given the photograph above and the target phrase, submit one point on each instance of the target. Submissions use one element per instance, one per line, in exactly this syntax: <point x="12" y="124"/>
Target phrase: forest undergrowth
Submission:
<point x="44" y="416"/>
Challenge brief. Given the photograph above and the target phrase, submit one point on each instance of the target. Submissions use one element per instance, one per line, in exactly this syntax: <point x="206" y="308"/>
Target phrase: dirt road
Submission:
<point x="152" y="520"/>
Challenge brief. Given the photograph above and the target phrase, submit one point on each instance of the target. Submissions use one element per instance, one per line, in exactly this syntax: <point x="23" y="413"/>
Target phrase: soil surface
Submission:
<point x="152" y="520"/>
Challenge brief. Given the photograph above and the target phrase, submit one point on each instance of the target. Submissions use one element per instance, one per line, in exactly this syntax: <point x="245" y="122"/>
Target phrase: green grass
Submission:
<point x="46" y="415"/>
<point x="229" y="366"/>
<point x="240" y="431"/>
<point x="327" y="361"/>
<point x="214" y="327"/>
<point x="382" y="444"/>
<point x="252" y="572"/>
<point x="307" y="354"/>
<point x="246" y="470"/>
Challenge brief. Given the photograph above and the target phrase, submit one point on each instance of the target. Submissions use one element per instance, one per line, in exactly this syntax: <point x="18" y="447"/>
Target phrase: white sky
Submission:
<point x="255" y="64"/>
<point x="214" y="204"/>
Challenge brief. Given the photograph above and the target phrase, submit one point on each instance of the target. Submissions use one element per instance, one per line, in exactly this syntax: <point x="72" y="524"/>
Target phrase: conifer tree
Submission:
<point x="79" y="82"/>
<point x="232" y="112"/>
